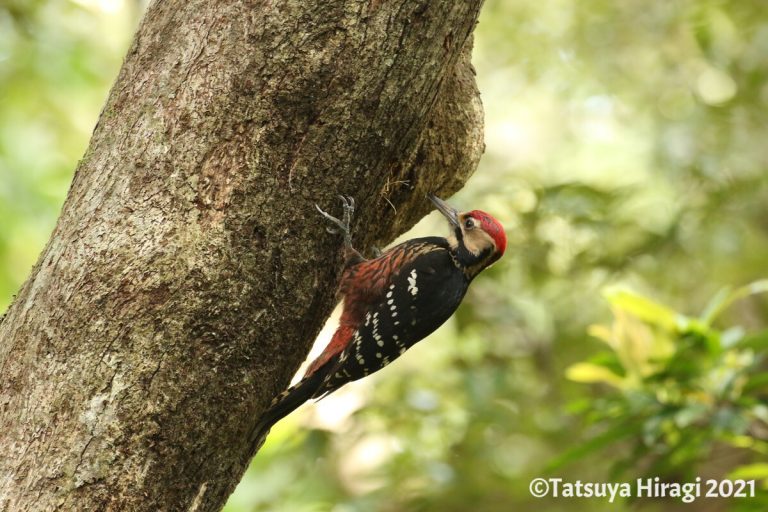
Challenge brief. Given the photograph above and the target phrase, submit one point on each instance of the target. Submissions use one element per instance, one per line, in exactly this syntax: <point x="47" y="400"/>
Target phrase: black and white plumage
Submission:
<point x="419" y="298"/>
<point x="393" y="301"/>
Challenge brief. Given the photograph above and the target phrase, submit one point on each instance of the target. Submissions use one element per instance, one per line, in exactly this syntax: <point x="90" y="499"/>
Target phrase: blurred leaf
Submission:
<point x="645" y="309"/>
<point x="691" y="414"/>
<point x="758" y="471"/>
<point x="757" y="382"/>
<point x="590" y="373"/>
<point x="726" y="297"/>
<point x="756" y="341"/>
<point x="599" y="442"/>
<point x="601" y="332"/>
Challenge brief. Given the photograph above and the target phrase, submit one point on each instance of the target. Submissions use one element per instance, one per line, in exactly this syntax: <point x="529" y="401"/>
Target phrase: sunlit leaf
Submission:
<point x="601" y="332"/>
<point x="591" y="373"/>
<point x="645" y="309"/>
<point x="758" y="471"/>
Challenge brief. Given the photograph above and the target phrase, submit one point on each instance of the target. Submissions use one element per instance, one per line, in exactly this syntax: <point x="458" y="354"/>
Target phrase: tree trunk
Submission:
<point x="188" y="273"/>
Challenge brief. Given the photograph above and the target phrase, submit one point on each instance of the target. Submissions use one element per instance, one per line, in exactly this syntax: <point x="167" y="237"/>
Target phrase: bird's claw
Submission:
<point x="343" y="225"/>
<point x="348" y="204"/>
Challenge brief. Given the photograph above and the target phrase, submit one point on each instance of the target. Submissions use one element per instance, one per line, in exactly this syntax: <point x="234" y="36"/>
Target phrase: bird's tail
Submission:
<point x="284" y="404"/>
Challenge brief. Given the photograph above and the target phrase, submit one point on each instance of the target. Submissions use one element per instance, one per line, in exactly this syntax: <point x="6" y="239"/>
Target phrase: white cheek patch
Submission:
<point x="412" y="288"/>
<point x="476" y="241"/>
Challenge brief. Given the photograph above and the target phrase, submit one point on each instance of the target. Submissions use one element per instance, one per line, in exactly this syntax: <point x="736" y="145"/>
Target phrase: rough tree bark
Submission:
<point x="188" y="273"/>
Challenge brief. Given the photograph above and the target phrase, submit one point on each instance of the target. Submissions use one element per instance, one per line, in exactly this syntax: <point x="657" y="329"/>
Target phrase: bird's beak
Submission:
<point x="447" y="210"/>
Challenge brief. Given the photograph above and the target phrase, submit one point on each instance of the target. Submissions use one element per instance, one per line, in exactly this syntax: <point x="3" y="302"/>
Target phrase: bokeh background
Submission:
<point x="624" y="333"/>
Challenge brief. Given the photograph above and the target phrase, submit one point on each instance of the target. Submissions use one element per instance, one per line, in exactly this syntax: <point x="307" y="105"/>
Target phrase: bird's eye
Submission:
<point x="469" y="223"/>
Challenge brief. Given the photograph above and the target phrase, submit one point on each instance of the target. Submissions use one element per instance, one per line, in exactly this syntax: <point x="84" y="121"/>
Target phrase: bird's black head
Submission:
<point x="477" y="239"/>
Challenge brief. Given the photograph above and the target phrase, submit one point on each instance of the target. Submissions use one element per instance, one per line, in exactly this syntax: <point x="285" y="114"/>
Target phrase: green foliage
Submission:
<point x="677" y="387"/>
<point x="57" y="60"/>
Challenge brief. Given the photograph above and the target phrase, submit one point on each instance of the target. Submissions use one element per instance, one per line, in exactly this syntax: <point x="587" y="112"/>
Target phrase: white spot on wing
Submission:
<point x="412" y="283"/>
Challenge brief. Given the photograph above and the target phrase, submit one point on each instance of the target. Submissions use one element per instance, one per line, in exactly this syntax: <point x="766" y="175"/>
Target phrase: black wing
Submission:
<point x="418" y="299"/>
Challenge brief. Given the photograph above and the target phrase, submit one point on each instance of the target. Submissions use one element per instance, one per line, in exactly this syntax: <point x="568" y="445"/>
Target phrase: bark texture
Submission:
<point x="188" y="273"/>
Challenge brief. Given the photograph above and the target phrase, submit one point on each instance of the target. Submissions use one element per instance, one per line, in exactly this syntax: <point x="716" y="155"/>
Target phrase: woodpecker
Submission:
<point x="393" y="301"/>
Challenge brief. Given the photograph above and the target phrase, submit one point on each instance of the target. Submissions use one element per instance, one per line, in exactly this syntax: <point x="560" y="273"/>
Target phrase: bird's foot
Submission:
<point x="343" y="226"/>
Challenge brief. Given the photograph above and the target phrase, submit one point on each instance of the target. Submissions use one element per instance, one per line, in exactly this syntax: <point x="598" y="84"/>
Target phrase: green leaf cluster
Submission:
<point x="677" y="389"/>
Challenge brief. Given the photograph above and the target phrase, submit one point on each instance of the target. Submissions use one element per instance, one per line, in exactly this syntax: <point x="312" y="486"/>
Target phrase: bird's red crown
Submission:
<point x="493" y="228"/>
